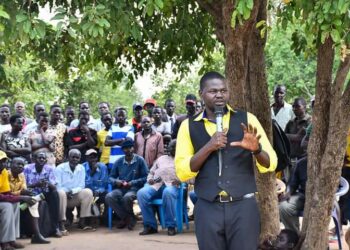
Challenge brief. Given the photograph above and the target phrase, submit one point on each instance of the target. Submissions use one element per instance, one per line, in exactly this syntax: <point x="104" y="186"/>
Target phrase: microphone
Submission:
<point x="219" y="113"/>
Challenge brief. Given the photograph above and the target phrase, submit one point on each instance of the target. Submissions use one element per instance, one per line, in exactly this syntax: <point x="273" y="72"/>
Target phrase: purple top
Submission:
<point x="32" y="177"/>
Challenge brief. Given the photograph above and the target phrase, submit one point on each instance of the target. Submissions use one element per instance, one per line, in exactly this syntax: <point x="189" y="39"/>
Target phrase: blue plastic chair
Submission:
<point x="110" y="211"/>
<point x="181" y="209"/>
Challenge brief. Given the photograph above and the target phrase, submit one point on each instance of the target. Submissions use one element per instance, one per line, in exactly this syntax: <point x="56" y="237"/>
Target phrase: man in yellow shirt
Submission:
<point x="226" y="213"/>
<point x="9" y="209"/>
<point x="101" y="138"/>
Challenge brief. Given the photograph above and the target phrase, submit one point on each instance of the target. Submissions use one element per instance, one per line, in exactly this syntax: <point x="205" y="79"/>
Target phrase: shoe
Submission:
<point x="58" y="233"/>
<point x="171" y="231"/>
<point x="6" y="246"/>
<point x="148" y="230"/>
<point x="16" y="245"/>
<point x="39" y="239"/>
<point x="131" y="223"/>
<point x="62" y="228"/>
<point x="121" y="224"/>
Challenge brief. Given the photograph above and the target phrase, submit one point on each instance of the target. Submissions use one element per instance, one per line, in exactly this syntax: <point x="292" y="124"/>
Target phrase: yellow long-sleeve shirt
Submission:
<point x="185" y="149"/>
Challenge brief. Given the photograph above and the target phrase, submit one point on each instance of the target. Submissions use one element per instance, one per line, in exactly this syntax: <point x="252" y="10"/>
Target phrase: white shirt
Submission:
<point x="284" y="115"/>
<point x="92" y="123"/>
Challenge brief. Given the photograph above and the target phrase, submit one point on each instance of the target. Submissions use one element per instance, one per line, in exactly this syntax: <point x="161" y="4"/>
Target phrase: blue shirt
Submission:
<point x="68" y="180"/>
<point x="33" y="177"/>
<point x="99" y="180"/>
<point x="136" y="172"/>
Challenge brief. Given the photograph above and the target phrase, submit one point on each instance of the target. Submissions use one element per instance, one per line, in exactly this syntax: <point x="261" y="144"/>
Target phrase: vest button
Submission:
<point x="219" y="182"/>
<point x="226" y="166"/>
<point x="227" y="182"/>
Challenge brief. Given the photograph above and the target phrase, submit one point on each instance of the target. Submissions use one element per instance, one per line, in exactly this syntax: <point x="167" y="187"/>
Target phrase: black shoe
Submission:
<point x="171" y="231"/>
<point x="131" y="223"/>
<point x="121" y="224"/>
<point x="148" y="230"/>
<point x="58" y="233"/>
<point x="39" y="239"/>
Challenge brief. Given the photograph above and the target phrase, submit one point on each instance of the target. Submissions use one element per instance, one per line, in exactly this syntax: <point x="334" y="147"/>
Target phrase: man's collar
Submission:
<point x="203" y="115"/>
<point x="274" y="104"/>
<point x="132" y="161"/>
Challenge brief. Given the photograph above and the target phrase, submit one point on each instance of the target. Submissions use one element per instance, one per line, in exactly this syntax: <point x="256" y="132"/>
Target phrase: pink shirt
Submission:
<point x="151" y="148"/>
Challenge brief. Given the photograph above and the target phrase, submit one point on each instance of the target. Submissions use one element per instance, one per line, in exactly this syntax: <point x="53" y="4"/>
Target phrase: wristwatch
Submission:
<point x="258" y="151"/>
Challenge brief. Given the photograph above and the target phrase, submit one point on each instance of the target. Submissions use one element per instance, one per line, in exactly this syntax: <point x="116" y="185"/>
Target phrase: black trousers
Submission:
<point x="227" y="226"/>
<point x="344" y="201"/>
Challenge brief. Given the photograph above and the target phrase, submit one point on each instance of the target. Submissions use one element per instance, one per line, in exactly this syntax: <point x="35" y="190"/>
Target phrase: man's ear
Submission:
<point x="200" y="92"/>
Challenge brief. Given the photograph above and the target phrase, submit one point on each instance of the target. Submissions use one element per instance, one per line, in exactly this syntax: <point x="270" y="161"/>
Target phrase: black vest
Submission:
<point x="237" y="176"/>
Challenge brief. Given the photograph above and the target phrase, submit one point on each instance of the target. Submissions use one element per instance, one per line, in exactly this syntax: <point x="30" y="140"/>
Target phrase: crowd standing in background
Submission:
<point x="66" y="159"/>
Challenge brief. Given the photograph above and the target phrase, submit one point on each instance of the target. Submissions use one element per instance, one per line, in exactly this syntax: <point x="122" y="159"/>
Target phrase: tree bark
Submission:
<point x="258" y="103"/>
<point x="326" y="150"/>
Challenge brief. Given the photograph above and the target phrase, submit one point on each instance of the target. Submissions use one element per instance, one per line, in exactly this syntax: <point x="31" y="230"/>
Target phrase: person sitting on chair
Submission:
<point x="162" y="183"/>
<point x="293" y="201"/>
<point x="129" y="174"/>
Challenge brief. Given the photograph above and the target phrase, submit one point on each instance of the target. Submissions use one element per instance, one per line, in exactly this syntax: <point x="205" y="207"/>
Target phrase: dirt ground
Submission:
<point x="104" y="239"/>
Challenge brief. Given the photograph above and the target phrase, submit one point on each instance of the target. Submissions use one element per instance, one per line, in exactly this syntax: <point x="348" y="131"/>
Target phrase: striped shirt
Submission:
<point x="117" y="132"/>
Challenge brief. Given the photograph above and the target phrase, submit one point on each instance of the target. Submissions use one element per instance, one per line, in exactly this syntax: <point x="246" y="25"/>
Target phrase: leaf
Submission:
<point x="159" y="3"/>
<point x="41" y="29"/>
<point x="58" y="16"/>
<point x="246" y="13"/>
<point x="100" y="30"/>
<point x="149" y="9"/>
<point x="20" y="18"/>
<point x="250" y="4"/>
<point x="335" y="35"/>
<point x="233" y="19"/>
<point x="100" y="7"/>
<point x="4" y="14"/>
<point x="240" y="7"/>
<point x="260" y="23"/>
<point x="71" y="32"/>
<point x="337" y="22"/>
<point x="106" y="23"/>
<point x="27" y="26"/>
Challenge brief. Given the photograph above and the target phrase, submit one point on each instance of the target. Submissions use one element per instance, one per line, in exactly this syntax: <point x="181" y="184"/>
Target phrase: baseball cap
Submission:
<point x="137" y="105"/>
<point x="151" y="101"/>
<point x="3" y="155"/>
<point x="127" y="144"/>
<point x="190" y="98"/>
<point x="91" y="151"/>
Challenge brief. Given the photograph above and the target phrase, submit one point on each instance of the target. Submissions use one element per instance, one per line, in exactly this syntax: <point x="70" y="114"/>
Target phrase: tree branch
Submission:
<point x="340" y="78"/>
<point x="215" y="10"/>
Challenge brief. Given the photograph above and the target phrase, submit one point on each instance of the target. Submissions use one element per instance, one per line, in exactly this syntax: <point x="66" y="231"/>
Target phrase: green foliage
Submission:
<point x="316" y="20"/>
<point x="143" y="35"/>
<point x="297" y="72"/>
<point x="242" y="11"/>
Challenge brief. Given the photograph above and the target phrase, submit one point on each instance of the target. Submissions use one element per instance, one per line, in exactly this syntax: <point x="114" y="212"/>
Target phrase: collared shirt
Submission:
<point x="92" y="123"/>
<point x="163" y="168"/>
<point x="104" y="150"/>
<point x="58" y="130"/>
<point x="4" y="181"/>
<point x="151" y="148"/>
<point x="136" y="125"/>
<point x="116" y="132"/>
<point x="284" y="115"/>
<point x="68" y="180"/>
<point x="33" y="177"/>
<point x="17" y="184"/>
<point x="293" y="127"/>
<point x="5" y="195"/>
<point x="99" y="180"/>
<point x="135" y="172"/>
<point x="171" y="121"/>
<point x="185" y="149"/>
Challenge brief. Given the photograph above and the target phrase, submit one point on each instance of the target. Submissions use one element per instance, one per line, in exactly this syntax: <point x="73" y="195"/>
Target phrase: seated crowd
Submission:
<point x="59" y="162"/>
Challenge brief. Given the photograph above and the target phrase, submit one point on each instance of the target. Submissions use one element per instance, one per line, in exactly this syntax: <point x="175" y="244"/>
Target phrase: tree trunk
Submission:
<point x="326" y="150"/>
<point x="258" y="103"/>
